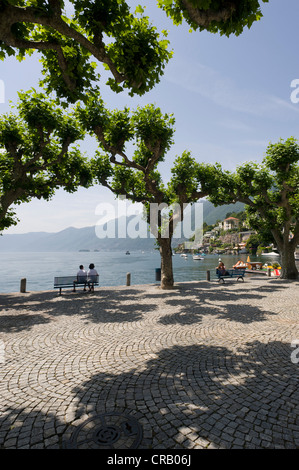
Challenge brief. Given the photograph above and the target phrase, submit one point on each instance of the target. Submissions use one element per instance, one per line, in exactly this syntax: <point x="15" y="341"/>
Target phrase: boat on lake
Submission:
<point x="272" y="253"/>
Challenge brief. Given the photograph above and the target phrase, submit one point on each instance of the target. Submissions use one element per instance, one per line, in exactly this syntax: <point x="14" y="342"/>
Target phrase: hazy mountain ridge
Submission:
<point x="75" y="239"/>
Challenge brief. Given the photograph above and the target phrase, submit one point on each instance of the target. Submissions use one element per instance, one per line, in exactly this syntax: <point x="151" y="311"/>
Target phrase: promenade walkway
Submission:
<point x="201" y="366"/>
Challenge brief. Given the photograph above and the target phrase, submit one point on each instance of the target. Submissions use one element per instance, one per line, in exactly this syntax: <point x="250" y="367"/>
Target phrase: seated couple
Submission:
<point x="86" y="278"/>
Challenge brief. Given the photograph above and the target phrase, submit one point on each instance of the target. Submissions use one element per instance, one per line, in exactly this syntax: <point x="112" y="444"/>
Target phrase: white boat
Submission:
<point x="296" y="256"/>
<point x="184" y="255"/>
<point x="197" y="257"/>
<point x="273" y="253"/>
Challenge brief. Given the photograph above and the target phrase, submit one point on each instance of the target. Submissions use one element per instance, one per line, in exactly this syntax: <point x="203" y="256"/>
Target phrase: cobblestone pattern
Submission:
<point x="201" y="366"/>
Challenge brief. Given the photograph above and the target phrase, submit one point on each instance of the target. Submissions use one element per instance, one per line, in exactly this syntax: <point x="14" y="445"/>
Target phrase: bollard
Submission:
<point x="158" y="274"/>
<point x="128" y="279"/>
<point x="23" y="285"/>
<point x="269" y="272"/>
<point x="208" y="275"/>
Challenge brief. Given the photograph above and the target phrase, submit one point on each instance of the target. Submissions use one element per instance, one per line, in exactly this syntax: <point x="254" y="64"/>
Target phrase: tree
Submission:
<point x="271" y="194"/>
<point x="137" y="178"/>
<point x="74" y="37"/>
<point x="217" y="16"/>
<point x="71" y="35"/>
<point x="36" y="156"/>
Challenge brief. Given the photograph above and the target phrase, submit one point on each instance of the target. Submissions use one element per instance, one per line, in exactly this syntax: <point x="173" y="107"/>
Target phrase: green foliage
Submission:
<point x="271" y="194"/>
<point x="71" y="47"/>
<point x="36" y="156"/>
<point x="206" y="14"/>
<point x="140" y="55"/>
<point x="184" y="181"/>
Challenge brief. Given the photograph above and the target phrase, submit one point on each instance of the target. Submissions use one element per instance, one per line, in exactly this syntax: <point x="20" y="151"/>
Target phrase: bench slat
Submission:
<point x="238" y="273"/>
<point x="68" y="281"/>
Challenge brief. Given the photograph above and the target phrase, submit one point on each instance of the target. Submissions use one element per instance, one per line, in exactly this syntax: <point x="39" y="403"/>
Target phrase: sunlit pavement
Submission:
<point x="201" y="366"/>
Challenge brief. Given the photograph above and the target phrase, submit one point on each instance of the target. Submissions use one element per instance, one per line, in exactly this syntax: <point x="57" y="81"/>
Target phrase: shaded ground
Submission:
<point x="203" y="365"/>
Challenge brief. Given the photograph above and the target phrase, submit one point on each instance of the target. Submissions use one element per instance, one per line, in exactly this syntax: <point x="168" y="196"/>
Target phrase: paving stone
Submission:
<point x="201" y="366"/>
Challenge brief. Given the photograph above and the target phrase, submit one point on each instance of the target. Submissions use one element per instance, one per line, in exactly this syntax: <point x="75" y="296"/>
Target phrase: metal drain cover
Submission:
<point x="107" y="431"/>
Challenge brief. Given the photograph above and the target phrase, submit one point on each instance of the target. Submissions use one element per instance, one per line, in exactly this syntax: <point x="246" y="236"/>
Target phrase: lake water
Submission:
<point x="40" y="268"/>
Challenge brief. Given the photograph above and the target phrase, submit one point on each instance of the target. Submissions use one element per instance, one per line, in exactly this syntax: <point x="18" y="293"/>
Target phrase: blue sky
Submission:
<point x="230" y="97"/>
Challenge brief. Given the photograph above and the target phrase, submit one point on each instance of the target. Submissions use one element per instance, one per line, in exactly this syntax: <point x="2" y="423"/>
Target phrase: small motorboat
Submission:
<point x="184" y="255"/>
<point x="273" y="253"/>
<point x="197" y="257"/>
<point x="296" y="256"/>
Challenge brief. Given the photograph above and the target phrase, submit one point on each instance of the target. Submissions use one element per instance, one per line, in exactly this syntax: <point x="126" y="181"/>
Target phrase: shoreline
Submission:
<point x="213" y="282"/>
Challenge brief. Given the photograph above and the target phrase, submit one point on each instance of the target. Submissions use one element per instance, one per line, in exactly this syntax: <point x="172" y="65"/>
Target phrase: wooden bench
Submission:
<point x="71" y="281"/>
<point x="230" y="273"/>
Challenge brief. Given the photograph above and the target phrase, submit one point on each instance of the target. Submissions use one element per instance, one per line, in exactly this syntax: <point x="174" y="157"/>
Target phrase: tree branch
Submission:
<point x="11" y="15"/>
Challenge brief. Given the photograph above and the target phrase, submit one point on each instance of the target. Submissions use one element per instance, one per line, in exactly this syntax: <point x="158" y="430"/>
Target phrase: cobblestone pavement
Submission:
<point x="201" y="366"/>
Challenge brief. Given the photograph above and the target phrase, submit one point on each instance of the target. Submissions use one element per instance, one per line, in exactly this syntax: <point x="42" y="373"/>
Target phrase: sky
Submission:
<point x="230" y="97"/>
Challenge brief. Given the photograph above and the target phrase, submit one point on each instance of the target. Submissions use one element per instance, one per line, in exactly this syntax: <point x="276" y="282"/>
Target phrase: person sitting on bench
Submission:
<point x="81" y="278"/>
<point x="92" y="277"/>
<point x="221" y="270"/>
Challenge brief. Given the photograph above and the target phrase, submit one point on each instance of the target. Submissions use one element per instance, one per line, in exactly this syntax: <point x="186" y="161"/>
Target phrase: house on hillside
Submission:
<point x="229" y="223"/>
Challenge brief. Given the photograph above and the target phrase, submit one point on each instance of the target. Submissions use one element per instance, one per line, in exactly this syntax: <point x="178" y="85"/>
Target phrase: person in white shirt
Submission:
<point x="81" y="278"/>
<point x="92" y="277"/>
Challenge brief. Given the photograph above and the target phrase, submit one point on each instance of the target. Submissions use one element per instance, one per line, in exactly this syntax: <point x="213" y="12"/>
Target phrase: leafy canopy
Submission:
<point x="37" y="154"/>
<point x="270" y="190"/>
<point x="216" y="16"/>
<point x="74" y="37"/>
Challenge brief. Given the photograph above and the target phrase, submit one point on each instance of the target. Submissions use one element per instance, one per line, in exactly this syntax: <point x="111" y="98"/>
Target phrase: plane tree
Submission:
<point x="131" y="146"/>
<point x="216" y="16"/>
<point x="37" y="155"/>
<point x="74" y="37"/>
<point x="270" y="191"/>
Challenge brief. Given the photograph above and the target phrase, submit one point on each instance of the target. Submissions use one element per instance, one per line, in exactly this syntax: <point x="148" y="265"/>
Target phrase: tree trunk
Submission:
<point x="288" y="265"/>
<point x="166" y="263"/>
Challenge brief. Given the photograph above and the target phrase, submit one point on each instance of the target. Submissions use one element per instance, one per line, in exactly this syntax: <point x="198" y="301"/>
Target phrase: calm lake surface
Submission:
<point x="40" y="268"/>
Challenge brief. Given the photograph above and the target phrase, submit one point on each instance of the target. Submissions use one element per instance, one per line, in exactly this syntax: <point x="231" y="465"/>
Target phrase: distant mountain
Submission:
<point x="91" y="238"/>
<point x="211" y="213"/>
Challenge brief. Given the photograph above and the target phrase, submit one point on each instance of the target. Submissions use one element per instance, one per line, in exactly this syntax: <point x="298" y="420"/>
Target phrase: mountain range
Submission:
<point x="86" y="238"/>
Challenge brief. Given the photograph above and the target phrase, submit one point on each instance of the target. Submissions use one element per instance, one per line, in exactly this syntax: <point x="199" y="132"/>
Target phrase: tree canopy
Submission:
<point x="270" y="191"/>
<point x="74" y="37"/>
<point x="216" y="16"/>
<point x="37" y="155"/>
<point x="137" y="176"/>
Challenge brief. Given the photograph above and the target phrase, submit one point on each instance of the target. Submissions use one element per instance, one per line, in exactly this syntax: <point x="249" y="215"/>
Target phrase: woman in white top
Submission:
<point x="92" y="277"/>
